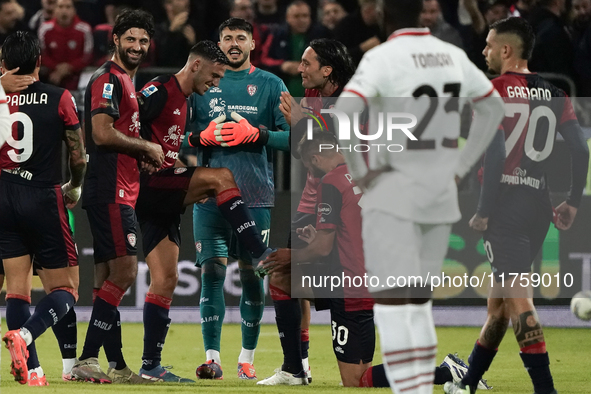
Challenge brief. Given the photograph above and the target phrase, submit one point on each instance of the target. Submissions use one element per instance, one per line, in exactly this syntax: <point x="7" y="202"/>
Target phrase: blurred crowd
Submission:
<point x="76" y="34"/>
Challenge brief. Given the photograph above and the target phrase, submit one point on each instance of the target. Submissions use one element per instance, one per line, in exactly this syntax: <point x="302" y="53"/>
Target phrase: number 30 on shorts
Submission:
<point x="489" y="252"/>
<point x="340" y="333"/>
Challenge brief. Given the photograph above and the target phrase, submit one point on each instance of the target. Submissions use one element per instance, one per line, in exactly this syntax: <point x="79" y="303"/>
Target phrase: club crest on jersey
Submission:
<point x="251" y="89"/>
<point x="180" y="170"/>
<point x="131" y="239"/>
<point x="108" y="91"/>
<point x="149" y="90"/>
<point x="173" y="135"/>
<point x="72" y="44"/>
<point x="198" y="246"/>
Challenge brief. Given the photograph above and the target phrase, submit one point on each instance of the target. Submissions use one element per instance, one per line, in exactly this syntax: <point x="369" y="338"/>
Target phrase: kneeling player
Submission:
<point x="165" y="194"/>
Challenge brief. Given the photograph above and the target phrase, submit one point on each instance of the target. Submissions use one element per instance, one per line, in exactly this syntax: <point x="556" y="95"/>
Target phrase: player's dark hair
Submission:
<point x="333" y="53"/>
<point x="400" y="14"/>
<point x="522" y="29"/>
<point x="310" y="147"/>
<point x="21" y="49"/>
<point x="130" y="18"/>
<point x="235" y="24"/>
<point x="210" y="51"/>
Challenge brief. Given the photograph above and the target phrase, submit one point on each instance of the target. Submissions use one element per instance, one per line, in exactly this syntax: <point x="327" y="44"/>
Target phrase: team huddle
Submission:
<point x="131" y="173"/>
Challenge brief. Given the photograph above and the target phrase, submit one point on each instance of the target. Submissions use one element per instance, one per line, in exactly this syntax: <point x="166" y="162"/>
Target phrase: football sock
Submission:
<point x="288" y="315"/>
<point x="374" y="377"/>
<point x="442" y="375"/>
<point x="480" y="360"/>
<point x="212" y="304"/>
<point x="67" y="364"/>
<point x="252" y="306"/>
<point x="234" y="210"/>
<point x="113" y="345"/>
<point x="409" y="346"/>
<point x="66" y="333"/>
<point x="305" y="341"/>
<point x="156" y="324"/>
<point x="214" y="355"/>
<point x="102" y="319"/>
<point x="17" y="313"/>
<point x="50" y="310"/>
<point x="538" y="367"/>
<point x="246" y="356"/>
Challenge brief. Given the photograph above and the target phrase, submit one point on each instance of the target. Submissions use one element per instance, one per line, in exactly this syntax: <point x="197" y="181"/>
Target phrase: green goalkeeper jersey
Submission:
<point x="254" y="94"/>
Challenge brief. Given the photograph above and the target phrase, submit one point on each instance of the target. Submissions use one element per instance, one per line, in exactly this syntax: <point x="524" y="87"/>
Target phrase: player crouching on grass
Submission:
<point x="165" y="194"/>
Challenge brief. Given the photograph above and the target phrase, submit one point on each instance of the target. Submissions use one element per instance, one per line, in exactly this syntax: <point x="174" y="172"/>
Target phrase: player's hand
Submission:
<point x="147" y="167"/>
<point x="478" y="223"/>
<point x="565" y="215"/>
<point x="292" y="111"/>
<point x="71" y="194"/>
<point x="207" y="137"/>
<point x="239" y="133"/>
<point x="277" y="260"/>
<point x="154" y="155"/>
<point x="307" y="234"/>
<point x="15" y="83"/>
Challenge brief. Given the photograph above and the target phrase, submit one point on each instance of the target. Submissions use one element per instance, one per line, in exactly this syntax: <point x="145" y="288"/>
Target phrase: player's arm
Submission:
<point x="106" y="135"/>
<point x="494" y="163"/>
<point x="77" y="154"/>
<point x="488" y="114"/>
<point x="575" y="140"/>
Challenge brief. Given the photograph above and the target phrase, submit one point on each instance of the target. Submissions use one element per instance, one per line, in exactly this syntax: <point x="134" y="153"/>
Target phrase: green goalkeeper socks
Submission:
<point x="252" y="305"/>
<point x="212" y="304"/>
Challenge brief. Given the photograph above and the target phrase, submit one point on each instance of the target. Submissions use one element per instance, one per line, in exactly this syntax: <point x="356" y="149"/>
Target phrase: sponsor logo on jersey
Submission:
<point x="217" y="107"/>
<point x="324" y="209"/>
<point x="172" y="155"/>
<point x="72" y="44"/>
<point x="131" y="238"/>
<point x="149" y="90"/>
<point x="180" y="170"/>
<point x="198" y="246"/>
<point x="108" y="91"/>
<point x="177" y="111"/>
<point x="520" y="177"/>
<point x="252" y="89"/>
<point x="215" y="89"/>
<point x="174" y="135"/>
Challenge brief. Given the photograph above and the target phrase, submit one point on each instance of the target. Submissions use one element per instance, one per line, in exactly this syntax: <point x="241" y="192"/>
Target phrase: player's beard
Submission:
<point x="127" y="61"/>
<point x="238" y="63"/>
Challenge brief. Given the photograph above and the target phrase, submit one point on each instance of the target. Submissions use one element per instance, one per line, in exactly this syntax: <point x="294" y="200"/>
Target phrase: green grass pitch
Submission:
<point x="570" y="351"/>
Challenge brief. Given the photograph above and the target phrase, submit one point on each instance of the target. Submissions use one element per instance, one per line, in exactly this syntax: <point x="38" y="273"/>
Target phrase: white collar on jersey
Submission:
<point x="415" y="31"/>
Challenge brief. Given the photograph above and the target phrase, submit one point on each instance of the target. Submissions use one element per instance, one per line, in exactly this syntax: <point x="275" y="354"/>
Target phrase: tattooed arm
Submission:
<point x="77" y="152"/>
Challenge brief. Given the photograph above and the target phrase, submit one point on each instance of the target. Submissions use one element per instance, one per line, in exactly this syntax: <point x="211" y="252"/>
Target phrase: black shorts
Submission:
<point x="353" y="333"/>
<point x="300" y="220"/>
<point x="35" y="221"/>
<point x="517" y="229"/>
<point x="114" y="231"/>
<point x="160" y="205"/>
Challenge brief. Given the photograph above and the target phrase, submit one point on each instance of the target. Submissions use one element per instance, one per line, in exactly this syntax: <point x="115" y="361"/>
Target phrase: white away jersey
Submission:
<point x="427" y="73"/>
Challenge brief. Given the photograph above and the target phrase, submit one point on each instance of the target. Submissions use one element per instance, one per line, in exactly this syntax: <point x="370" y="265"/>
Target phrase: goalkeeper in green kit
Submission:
<point x="248" y="99"/>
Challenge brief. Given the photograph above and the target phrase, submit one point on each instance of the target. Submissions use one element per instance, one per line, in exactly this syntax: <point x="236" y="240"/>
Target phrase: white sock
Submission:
<point x="26" y="336"/>
<point x="409" y="346"/>
<point x="306" y="364"/>
<point x="213" y="355"/>
<point x="68" y="363"/>
<point x="39" y="371"/>
<point x="246" y="356"/>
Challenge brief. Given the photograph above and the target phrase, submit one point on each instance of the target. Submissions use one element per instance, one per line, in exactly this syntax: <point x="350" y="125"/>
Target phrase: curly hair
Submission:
<point x="333" y="53"/>
<point x="130" y="18"/>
